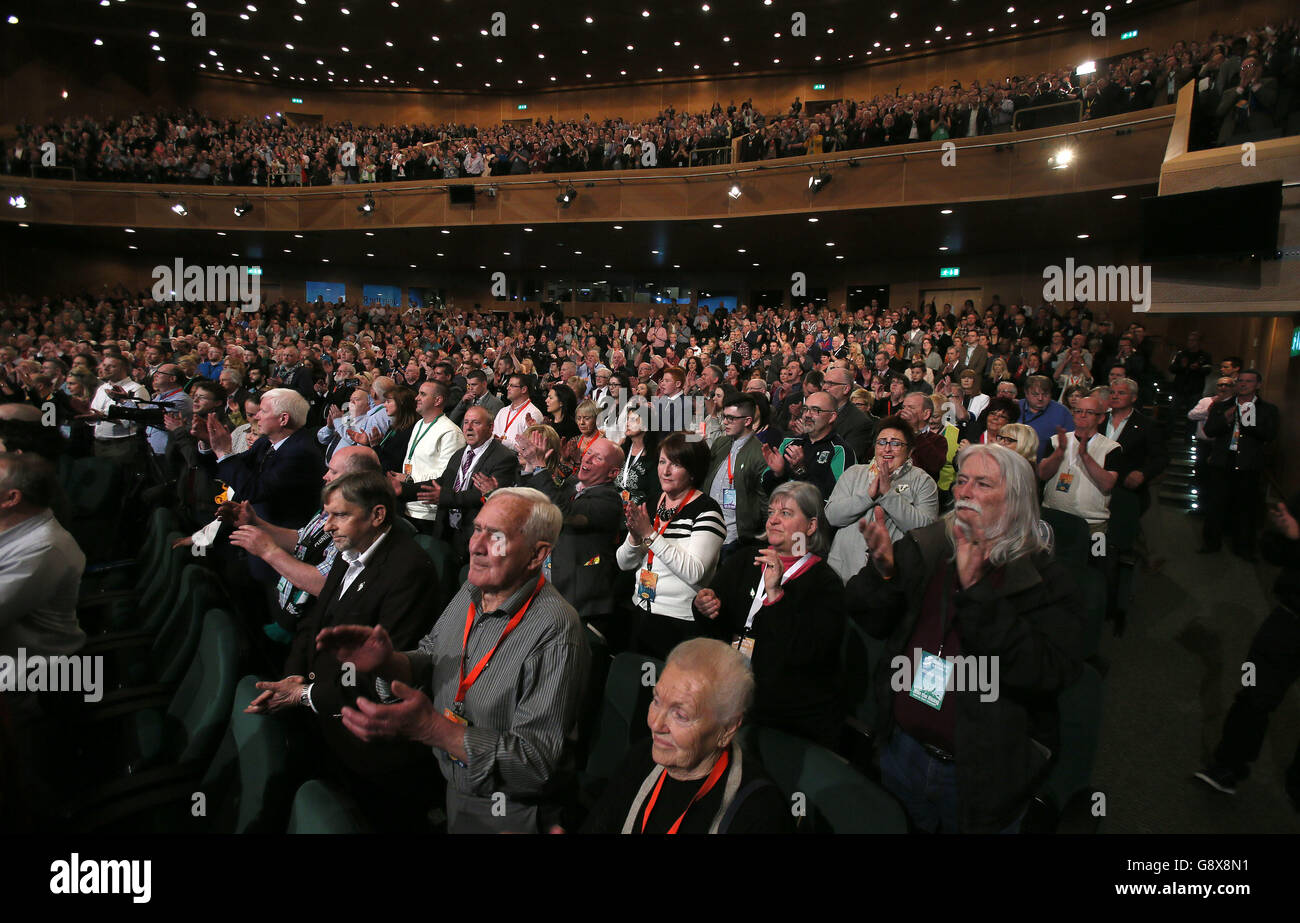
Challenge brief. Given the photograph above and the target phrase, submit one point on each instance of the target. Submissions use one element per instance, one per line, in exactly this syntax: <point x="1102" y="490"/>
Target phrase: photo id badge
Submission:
<point x="729" y="498"/>
<point x="645" y="587"/>
<point x="1063" y="483"/>
<point x="746" y="647"/>
<point x="931" y="680"/>
<point x="406" y="469"/>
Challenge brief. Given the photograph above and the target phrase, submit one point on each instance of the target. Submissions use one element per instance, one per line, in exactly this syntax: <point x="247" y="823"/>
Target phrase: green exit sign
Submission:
<point x="254" y="270"/>
<point x="949" y="272"/>
<point x="297" y="100"/>
<point x="1295" y="343"/>
<point x="522" y="106"/>
<point x="819" y="86"/>
<point x="1128" y="35"/>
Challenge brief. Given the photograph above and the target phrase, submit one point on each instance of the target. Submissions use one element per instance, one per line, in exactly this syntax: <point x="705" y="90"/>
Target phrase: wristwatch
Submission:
<point x="304" y="699"/>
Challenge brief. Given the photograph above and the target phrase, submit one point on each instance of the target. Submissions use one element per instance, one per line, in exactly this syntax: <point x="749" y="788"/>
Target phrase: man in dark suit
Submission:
<point x="380" y="577"/>
<point x="281" y="472"/>
<point x="973" y="356"/>
<point x="296" y="374"/>
<point x="1141" y="438"/>
<point x="456" y="493"/>
<point x="476" y="395"/>
<point x="583" y="568"/>
<point x="735" y="478"/>
<point x="851" y="424"/>
<point x="1242" y="430"/>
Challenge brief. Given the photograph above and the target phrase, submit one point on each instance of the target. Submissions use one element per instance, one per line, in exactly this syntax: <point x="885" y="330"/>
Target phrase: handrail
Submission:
<point x="1076" y="104"/>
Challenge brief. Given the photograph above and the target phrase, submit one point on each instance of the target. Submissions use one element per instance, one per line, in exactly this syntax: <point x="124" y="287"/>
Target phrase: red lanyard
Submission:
<point x="718" y="769"/>
<point x="582" y="449"/>
<point x="660" y="529"/>
<point x="511" y="418"/>
<point x="731" y="481"/>
<point x="467" y="681"/>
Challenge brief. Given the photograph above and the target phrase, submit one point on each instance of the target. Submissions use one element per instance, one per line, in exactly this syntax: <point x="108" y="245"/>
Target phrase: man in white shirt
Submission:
<point x="1083" y="467"/>
<point x="518" y="414"/>
<point x="434" y="440"/>
<point x="113" y="437"/>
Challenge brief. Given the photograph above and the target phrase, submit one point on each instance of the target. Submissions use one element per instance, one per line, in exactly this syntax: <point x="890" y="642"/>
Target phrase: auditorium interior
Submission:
<point x="333" y="198"/>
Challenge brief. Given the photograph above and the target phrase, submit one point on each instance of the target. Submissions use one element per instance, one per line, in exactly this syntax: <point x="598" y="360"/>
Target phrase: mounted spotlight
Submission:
<point x="180" y="209"/>
<point x="566" y="196"/>
<point x="18" y="201"/>
<point x="817" y="183"/>
<point x="734" y="191"/>
<point x="243" y="208"/>
<point x="1064" y="157"/>
<point x="368" y="205"/>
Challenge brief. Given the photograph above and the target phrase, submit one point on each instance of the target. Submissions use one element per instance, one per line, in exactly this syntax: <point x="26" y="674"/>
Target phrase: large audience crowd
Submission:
<point x="1245" y="86"/>
<point x="726" y="491"/>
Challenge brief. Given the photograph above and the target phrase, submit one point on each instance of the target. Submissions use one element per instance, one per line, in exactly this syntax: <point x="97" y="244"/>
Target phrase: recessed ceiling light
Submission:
<point x="435" y="38"/>
<point x="219" y="233"/>
<point x="1119" y="195"/>
<point x="945" y="211"/>
<point x="1082" y="236"/>
<point x="726" y="38"/>
<point x="893" y="15"/>
<point x="99" y="41"/>
<point x="528" y="230"/>
<point x="536" y="26"/>
<point x="839" y="256"/>
<point x="153" y="33"/>
<point x="814" y="220"/>
<point x="830" y="243"/>
<point x="717" y="225"/>
<point x="445" y="231"/>
<point x="645" y="14"/>
<point x="370" y="233"/>
<point x="741" y="250"/>
<point x="369" y="254"/>
<point x="943" y="248"/>
<point x="590" y="20"/>
<point x="656" y="252"/>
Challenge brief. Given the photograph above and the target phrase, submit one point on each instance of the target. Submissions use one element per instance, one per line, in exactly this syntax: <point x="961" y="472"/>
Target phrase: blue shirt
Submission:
<point x="1044" y="423"/>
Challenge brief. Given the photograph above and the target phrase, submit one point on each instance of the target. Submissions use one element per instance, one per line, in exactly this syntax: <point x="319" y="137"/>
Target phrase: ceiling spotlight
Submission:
<point x="180" y="209"/>
<point x="566" y="196"/>
<point x="243" y="208"/>
<point x="1119" y="195"/>
<point x="18" y="201"/>
<point x="368" y="206"/>
<point x="734" y="191"/>
<point x="817" y="183"/>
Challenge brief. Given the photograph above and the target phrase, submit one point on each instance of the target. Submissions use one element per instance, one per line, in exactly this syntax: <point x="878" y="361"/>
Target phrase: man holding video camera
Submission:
<point x="113" y="434"/>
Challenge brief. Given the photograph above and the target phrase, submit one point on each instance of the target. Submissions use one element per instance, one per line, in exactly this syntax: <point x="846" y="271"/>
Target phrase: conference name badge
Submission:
<point x="645" y="587"/>
<point x="1063" y="483"/>
<point x="729" y="498"/>
<point x="931" y="680"/>
<point x="746" y="647"/>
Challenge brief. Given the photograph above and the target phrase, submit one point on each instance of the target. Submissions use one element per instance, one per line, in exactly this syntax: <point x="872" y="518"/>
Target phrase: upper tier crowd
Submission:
<point x="1245" y="86"/>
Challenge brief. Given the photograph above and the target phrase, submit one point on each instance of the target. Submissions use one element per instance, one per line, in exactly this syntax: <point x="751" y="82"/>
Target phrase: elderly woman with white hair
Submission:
<point x="983" y="628"/>
<point x="691" y="775"/>
<point x="784" y="609"/>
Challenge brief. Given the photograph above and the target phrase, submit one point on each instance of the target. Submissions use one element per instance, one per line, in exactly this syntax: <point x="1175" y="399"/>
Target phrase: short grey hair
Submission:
<point x="727" y="673"/>
<point x="1018" y="534"/>
<point x="287" y="400"/>
<point x="544" y="519"/>
<point x="1130" y="384"/>
<point x="30" y="475"/>
<point x="808" y="498"/>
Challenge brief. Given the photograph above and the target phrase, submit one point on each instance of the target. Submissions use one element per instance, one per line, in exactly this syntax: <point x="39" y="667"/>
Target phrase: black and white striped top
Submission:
<point x="686" y="554"/>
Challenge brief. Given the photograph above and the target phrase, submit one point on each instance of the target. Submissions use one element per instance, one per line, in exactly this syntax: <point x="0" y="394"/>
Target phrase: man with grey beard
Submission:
<point x="983" y="629"/>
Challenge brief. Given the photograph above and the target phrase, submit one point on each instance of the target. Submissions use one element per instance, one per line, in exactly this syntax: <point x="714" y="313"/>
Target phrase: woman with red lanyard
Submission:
<point x="674" y="550"/>
<point x="784" y="610"/>
<point x="576" y="448"/>
<point x="690" y="776"/>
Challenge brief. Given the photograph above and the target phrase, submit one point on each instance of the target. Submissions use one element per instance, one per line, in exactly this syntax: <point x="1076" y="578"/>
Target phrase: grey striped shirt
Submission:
<point x="523" y="710"/>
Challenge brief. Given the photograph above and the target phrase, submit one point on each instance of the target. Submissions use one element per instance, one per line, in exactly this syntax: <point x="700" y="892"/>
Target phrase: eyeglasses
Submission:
<point x="734" y="417"/>
<point x="890" y="443"/>
<point x="1005" y="440"/>
<point x="816" y="410"/>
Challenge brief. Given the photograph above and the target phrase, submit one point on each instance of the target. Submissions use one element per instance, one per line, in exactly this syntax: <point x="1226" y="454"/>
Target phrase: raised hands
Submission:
<point x="880" y="547"/>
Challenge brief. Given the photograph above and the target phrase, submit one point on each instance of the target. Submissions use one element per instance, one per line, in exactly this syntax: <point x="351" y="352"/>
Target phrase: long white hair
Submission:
<point x="1019" y="532"/>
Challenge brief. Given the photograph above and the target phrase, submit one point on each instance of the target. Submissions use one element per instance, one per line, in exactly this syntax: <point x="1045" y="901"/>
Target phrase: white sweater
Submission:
<point x="685" y="557"/>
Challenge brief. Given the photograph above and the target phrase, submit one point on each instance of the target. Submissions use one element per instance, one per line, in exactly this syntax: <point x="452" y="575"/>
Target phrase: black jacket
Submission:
<point x="284" y="488"/>
<point x="1143" y="443"/>
<point x="1031" y="622"/>
<point x="1252" y="447"/>
<point x="1279" y="550"/>
<point x="397" y="589"/>
<point x="796" y="645"/>
<point x="583" y="568"/>
<point x="500" y="463"/>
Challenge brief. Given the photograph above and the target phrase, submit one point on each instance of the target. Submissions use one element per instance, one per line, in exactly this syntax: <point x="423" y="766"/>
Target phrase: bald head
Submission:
<point x="600" y="463"/>
<point x="24" y="412"/>
<point x="819" y="415"/>
<point x="351" y="459"/>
